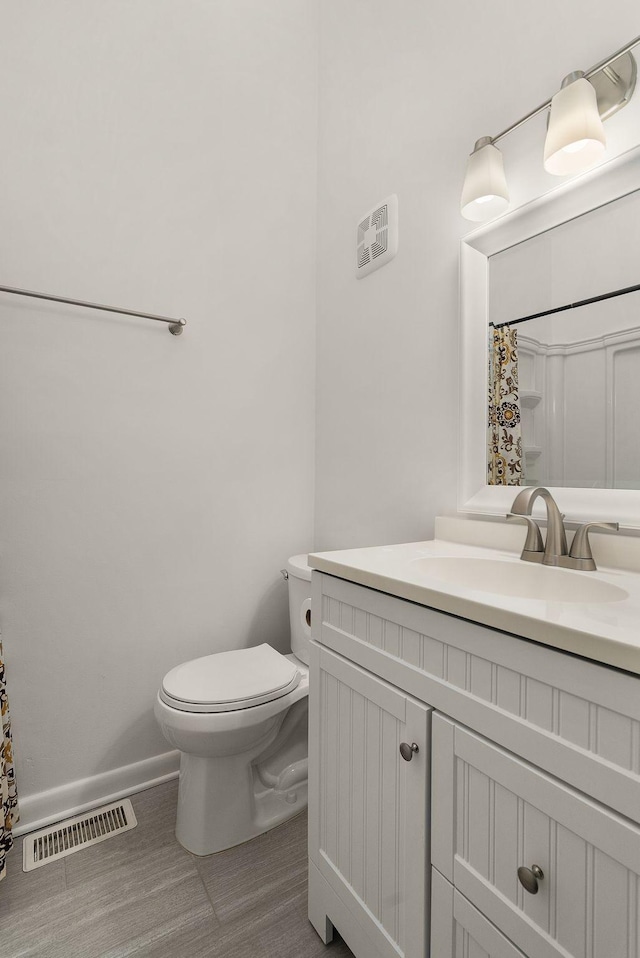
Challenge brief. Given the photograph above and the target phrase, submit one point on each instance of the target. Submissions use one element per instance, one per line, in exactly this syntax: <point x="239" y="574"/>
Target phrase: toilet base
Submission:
<point x="223" y="801"/>
<point x="207" y="784"/>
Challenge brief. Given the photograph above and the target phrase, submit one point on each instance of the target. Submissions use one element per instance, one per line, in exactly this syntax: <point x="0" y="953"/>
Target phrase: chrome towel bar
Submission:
<point x="175" y="325"/>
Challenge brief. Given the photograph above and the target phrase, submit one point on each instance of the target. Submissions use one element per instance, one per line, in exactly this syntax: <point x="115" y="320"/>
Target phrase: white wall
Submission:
<point x="160" y="155"/>
<point x="405" y="90"/>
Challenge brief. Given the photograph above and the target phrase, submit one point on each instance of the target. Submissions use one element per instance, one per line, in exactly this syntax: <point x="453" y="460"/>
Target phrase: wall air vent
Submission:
<point x="64" y="838"/>
<point x="377" y="237"/>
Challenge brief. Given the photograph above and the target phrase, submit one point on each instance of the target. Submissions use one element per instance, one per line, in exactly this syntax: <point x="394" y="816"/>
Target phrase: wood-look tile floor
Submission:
<point x="142" y="894"/>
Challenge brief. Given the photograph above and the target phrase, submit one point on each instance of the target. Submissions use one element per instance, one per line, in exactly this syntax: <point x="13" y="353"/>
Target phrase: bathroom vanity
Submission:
<point x="508" y="824"/>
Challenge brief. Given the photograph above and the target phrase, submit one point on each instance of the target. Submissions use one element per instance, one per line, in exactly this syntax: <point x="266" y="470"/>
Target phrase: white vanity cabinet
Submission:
<point x="535" y="760"/>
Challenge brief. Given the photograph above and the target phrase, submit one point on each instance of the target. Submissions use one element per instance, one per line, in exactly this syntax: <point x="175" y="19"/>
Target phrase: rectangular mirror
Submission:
<point x="564" y="354"/>
<point x="575" y="388"/>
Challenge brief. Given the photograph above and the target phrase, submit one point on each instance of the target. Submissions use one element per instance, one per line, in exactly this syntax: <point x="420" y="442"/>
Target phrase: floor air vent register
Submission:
<point x="64" y="838"/>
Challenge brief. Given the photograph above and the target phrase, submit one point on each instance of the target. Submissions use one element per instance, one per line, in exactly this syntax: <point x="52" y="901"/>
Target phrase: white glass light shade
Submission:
<point x="484" y="193"/>
<point x="575" y="138"/>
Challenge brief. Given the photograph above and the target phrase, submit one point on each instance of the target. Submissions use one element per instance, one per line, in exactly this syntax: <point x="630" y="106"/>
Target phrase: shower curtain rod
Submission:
<point x="562" y="309"/>
<point x="175" y="325"/>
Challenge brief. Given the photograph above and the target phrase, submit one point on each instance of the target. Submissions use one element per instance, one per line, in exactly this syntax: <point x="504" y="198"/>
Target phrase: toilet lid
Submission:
<point x="230" y="680"/>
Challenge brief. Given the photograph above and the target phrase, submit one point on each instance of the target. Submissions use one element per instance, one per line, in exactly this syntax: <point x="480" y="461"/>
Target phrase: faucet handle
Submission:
<point x="580" y="550"/>
<point x="533" y="549"/>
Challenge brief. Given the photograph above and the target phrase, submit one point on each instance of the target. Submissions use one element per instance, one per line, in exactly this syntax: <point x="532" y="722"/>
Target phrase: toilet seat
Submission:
<point x="229" y="681"/>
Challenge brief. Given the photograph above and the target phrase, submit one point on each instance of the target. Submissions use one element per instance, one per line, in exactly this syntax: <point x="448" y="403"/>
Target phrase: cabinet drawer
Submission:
<point x="578" y="720"/>
<point x="459" y="930"/>
<point x="497" y="813"/>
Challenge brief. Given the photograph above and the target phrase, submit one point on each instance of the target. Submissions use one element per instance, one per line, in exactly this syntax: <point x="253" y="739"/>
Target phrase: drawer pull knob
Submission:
<point x="407" y="750"/>
<point x="529" y="878"/>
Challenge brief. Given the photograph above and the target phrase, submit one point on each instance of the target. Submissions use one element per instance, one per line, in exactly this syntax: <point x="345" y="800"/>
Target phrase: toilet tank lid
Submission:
<point x="228" y="680"/>
<point x="299" y="567"/>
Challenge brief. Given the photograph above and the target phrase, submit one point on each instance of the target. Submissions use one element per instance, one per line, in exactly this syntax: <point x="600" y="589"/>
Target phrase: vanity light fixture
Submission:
<point x="575" y="135"/>
<point x="485" y="192"/>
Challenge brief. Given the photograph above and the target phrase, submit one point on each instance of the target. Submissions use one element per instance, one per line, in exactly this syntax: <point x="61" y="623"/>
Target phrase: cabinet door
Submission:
<point x="368" y="810"/>
<point x="459" y="930"/>
<point x="497" y="814"/>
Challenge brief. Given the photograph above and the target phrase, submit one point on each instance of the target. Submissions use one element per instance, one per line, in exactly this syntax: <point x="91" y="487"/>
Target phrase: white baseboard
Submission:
<point x="45" y="808"/>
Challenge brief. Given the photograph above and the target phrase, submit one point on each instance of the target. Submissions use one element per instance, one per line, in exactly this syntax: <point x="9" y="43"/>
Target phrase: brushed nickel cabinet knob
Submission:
<point x="529" y="878"/>
<point x="407" y="750"/>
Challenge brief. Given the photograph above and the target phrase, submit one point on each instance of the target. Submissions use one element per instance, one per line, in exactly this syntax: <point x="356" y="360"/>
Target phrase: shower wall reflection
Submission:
<point x="580" y="396"/>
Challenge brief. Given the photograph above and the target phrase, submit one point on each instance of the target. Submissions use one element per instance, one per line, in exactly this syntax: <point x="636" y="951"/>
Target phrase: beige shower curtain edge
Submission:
<point x="8" y="793"/>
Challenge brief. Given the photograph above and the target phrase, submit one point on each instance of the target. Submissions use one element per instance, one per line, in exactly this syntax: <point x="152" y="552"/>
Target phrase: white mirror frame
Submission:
<point x="608" y="182"/>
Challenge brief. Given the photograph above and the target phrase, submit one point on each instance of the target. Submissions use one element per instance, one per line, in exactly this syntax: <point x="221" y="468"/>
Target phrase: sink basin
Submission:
<point x="524" y="580"/>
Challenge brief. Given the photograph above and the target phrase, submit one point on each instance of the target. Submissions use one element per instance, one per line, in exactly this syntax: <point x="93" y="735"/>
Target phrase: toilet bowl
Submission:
<point x="239" y="720"/>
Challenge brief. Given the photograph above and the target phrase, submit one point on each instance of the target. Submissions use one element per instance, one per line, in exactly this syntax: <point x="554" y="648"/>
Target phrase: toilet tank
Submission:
<point x="300" y="606"/>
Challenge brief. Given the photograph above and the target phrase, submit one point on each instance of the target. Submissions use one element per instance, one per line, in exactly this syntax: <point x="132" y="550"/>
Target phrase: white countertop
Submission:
<point x="607" y="632"/>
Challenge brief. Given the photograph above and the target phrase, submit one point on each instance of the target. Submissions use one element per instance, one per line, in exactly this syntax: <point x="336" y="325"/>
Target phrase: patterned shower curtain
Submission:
<point x="504" y="460"/>
<point x="8" y="794"/>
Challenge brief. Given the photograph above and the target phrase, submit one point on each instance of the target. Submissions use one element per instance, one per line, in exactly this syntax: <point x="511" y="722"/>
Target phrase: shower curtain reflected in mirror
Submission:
<point x="8" y="792"/>
<point x="504" y="454"/>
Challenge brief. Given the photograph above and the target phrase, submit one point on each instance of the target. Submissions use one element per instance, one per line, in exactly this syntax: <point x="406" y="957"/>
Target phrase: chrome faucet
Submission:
<point x="554" y="551"/>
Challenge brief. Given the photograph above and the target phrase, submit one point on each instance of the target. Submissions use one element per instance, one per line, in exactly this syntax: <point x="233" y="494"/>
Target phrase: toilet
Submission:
<point x="239" y="720"/>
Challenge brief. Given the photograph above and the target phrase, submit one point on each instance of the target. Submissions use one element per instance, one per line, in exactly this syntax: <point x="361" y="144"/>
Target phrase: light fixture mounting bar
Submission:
<point x="614" y="56"/>
<point x="588" y="74"/>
